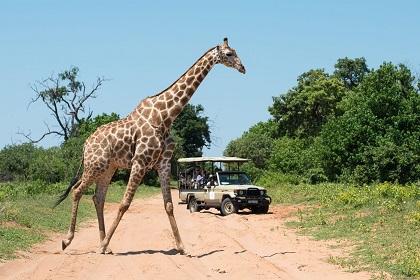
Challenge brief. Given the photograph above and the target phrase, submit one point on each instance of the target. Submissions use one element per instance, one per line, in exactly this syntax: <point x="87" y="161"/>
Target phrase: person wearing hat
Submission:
<point x="211" y="181"/>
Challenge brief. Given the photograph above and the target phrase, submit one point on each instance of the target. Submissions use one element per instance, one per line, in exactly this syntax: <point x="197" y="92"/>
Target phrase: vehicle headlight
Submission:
<point x="241" y="192"/>
<point x="262" y="192"/>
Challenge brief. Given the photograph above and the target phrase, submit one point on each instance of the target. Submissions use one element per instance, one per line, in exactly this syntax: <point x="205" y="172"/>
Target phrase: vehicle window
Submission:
<point x="224" y="180"/>
<point x="235" y="179"/>
<point x="243" y="179"/>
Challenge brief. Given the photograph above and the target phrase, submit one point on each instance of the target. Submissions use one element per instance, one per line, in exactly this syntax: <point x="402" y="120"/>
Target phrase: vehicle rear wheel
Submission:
<point x="193" y="205"/>
<point x="228" y="207"/>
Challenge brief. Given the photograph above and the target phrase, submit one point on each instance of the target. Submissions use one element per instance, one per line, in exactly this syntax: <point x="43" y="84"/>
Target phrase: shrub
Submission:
<point x="15" y="161"/>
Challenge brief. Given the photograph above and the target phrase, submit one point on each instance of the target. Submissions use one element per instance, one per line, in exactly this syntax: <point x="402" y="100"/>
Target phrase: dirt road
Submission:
<point x="243" y="246"/>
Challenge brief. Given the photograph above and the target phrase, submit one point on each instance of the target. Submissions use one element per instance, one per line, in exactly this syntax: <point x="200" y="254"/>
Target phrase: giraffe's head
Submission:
<point x="228" y="57"/>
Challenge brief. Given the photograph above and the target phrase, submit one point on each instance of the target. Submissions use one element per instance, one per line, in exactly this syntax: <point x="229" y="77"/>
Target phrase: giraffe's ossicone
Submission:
<point x="141" y="141"/>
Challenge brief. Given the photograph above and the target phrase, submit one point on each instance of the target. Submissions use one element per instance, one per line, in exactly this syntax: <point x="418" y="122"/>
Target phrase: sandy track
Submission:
<point x="243" y="246"/>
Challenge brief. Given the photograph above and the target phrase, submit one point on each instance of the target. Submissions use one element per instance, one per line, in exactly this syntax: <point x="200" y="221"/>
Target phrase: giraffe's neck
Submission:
<point x="163" y="108"/>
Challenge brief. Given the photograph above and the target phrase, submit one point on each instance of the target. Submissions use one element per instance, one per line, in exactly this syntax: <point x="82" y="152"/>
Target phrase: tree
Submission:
<point x="193" y="129"/>
<point x="15" y="161"/>
<point x="351" y="71"/>
<point x="378" y="137"/>
<point x="304" y="109"/>
<point x="88" y="126"/>
<point x="65" y="102"/>
<point x="255" y="144"/>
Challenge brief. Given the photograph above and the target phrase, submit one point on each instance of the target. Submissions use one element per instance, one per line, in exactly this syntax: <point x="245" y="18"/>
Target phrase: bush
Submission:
<point x="254" y="172"/>
<point x="15" y="161"/>
<point x="287" y="155"/>
<point x="272" y="179"/>
<point x="47" y="166"/>
<point x="377" y="139"/>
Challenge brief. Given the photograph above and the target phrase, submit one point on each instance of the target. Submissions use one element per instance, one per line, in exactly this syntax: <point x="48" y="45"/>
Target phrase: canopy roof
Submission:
<point x="213" y="159"/>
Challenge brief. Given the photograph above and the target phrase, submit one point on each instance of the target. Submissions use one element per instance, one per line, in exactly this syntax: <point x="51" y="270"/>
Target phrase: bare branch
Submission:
<point x="50" y="132"/>
<point x="65" y="102"/>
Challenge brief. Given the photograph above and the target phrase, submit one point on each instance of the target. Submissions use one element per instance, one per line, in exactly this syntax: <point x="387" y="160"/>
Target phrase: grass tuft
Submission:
<point x="380" y="222"/>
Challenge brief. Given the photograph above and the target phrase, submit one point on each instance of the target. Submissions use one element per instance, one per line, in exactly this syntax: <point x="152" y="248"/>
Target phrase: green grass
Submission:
<point x="13" y="239"/>
<point x="380" y="223"/>
<point x="27" y="217"/>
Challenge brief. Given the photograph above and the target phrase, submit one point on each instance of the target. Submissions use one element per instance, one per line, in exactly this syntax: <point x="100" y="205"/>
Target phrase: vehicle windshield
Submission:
<point x="234" y="179"/>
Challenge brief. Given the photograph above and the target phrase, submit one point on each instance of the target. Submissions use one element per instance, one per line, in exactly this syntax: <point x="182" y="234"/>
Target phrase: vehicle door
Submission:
<point x="209" y="194"/>
<point x="210" y="189"/>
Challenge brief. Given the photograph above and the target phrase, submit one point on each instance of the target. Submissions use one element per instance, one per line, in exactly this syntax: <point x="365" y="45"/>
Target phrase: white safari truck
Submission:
<point x="204" y="185"/>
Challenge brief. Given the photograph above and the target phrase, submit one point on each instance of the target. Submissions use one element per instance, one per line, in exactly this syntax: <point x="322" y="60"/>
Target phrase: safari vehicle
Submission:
<point x="227" y="191"/>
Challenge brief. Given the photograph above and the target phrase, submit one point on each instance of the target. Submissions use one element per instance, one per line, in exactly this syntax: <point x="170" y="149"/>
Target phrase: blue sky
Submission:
<point x="143" y="46"/>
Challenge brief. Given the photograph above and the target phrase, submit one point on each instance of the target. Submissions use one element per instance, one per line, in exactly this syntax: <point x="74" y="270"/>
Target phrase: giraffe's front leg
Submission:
<point x="164" y="169"/>
<point x="137" y="173"/>
<point x="104" y="249"/>
<point x="169" y="208"/>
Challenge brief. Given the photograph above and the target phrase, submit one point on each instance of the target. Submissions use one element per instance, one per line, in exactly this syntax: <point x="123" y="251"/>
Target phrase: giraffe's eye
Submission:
<point x="229" y="54"/>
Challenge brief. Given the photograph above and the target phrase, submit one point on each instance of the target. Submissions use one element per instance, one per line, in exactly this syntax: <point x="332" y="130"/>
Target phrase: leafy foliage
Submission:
<point x="351" y="71"/>
<point x="357" y="126"/>
<point x="255" y="145"/>
<point x="378" y="137"/>
<point x="65" y="102"/>
<point x="60" y="164"/>
<point x="193" y="129"/>
<point x="88" y="126"/>
<point x="303" y="110"/>
<point x="29" y="163"/>
<point x="15" y="161"/>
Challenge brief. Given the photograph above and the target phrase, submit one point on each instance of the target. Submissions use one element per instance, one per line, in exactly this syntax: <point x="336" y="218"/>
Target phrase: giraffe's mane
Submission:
<point x="182" y="74"/>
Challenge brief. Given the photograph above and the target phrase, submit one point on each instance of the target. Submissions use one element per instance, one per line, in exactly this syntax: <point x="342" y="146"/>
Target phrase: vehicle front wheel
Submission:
<point x="260" y="209"/>
<point x="228" y="207"/>
<point x="192" y="204"/>
<point x="264" y="209"/>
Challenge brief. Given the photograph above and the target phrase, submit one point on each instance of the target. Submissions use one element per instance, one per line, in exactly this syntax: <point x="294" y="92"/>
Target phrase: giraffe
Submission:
<point x="141" y="141"/>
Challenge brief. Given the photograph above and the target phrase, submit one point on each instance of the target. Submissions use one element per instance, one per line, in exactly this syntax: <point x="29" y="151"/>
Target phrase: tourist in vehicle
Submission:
<point x="242" y="180"/>
<point x="197" y="178"/>
<point x="206" y="176"/>
<point x="211" y="181"/>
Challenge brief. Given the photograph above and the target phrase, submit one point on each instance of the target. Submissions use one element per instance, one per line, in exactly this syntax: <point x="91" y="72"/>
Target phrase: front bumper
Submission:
<point x="252" y="201"/>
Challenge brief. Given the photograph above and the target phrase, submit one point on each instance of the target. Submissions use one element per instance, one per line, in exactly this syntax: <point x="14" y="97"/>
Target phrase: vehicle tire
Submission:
<point x="260" y="209"/>
<point x="264" y="209"/>
<point x="228" y="207"/>
<point x="192" y="204"/>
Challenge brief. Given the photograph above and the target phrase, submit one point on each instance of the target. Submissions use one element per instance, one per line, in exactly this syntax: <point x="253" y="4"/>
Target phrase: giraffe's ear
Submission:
<point x="225" y="42"/>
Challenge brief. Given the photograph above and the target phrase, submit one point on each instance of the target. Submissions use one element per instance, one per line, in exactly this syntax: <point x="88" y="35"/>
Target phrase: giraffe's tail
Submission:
<point x="75" y="182"/>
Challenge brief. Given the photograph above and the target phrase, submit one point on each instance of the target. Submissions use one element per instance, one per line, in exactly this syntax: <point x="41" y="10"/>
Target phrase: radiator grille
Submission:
<point x="253" y="192"/>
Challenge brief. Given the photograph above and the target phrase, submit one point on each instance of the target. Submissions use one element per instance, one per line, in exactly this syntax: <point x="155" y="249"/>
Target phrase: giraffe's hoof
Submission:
<point x="64" y="244"/>
<point x="185" y="253"/>
<point x="105" y="251"/>
<point x="108" y="251"/>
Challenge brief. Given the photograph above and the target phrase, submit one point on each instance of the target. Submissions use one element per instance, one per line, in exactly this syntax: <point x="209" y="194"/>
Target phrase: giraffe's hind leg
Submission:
<point x="99" y="196"/>
<point x="78" y="190"/>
